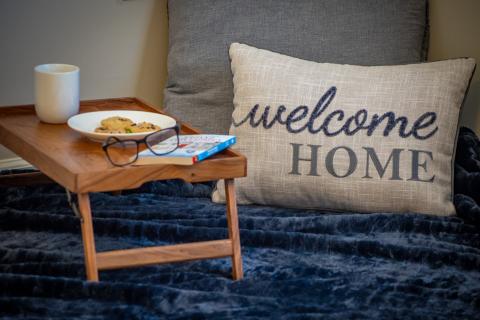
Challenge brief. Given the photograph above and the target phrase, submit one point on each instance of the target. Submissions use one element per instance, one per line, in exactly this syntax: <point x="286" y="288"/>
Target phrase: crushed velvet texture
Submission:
<point x="467" y="176"/>
<point x="298" y="264"/>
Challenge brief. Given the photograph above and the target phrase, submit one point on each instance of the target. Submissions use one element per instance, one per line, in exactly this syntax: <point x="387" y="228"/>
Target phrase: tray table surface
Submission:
<point x="80" y="165"/>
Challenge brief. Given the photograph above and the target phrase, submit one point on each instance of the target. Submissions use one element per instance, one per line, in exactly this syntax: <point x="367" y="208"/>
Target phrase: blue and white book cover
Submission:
<point x="196" y="147"/>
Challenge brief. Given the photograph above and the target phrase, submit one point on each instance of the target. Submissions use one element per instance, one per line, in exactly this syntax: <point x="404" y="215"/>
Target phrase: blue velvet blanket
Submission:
<point x="298" y="264"/>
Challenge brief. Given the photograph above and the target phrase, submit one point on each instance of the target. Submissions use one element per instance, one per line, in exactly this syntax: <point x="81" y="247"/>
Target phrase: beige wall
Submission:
<point x="455" y="32"/>
<point x="120" y="46"/>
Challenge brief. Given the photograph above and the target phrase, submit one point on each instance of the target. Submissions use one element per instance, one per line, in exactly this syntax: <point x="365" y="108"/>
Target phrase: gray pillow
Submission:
<point x="367" y="32"/>
<point x="345" y="137"/>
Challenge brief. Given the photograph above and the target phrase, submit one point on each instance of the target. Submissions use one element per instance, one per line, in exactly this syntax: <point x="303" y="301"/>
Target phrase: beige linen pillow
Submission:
<point x="345" y="137"/>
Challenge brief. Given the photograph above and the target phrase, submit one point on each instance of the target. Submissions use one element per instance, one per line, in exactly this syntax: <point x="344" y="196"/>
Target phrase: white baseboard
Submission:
<point x="14" y="163"/>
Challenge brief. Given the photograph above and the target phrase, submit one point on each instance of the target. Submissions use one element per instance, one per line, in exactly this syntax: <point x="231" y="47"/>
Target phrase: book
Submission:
<point x="191" y="149"/>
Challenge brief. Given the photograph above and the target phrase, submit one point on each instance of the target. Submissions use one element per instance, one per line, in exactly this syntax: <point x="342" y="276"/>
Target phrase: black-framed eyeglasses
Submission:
<point x="124" y="152"/>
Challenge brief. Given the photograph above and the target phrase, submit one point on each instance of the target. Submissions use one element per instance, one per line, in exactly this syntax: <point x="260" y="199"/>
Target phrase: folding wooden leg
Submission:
<point x="88" y="238"/>
<point x="233" y="230"/>
<point x="162" y="254"/>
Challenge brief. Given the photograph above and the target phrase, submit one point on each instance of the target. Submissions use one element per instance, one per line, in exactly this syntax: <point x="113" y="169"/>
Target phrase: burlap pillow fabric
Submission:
<point x="345" y="137"/>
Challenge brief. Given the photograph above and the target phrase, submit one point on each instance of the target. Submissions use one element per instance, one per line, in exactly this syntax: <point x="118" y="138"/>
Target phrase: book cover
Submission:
<point x="191" y="149"/>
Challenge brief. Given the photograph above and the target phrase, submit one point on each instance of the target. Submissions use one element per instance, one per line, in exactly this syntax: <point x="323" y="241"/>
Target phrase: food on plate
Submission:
<point x="115" y="123"/>
<point x="143" y="127"/>
<point x="124" y="125"/>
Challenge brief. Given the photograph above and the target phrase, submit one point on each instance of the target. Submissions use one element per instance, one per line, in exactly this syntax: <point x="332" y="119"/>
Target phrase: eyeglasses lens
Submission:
<point x="122" y="152"/>
<point x="169" y="138"/>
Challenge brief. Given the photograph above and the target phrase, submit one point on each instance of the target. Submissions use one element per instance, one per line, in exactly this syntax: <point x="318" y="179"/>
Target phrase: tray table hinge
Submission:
<point x="73" y="203"/>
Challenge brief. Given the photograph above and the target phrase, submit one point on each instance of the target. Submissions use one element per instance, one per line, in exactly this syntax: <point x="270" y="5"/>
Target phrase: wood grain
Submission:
<point x="233" y="229"/>
<point x="80" y="164"/>
<point x="88" y="238"/>
<point x="164" y="254"/>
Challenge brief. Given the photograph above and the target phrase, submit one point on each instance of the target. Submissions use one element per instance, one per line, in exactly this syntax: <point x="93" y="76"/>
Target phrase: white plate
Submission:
<point x="86" y="123"/>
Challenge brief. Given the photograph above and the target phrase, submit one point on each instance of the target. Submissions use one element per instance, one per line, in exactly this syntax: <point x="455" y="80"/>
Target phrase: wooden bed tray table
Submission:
<point x="80" y="166"/>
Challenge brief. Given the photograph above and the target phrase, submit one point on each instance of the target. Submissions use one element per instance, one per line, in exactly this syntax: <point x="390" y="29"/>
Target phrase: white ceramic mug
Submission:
<point x="56" y="92"/>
